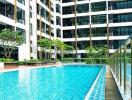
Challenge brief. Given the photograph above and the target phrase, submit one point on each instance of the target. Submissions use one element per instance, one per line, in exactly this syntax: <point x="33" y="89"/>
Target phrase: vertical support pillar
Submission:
<point x="124" y="69"/>
<point x="40" y="53"/>
<point x="24" y="54"/>
<point x="108" y="44"/>
<point x="131" y="68"/>
<point x="117" y="65"/>
<point x="90" y="36"/>
<point x="120" y="67"/>
<point x="75" y="28"/>
<point x="34" y="30"/>
<point x="15" y="10"/>
<point x="50" y="55"/>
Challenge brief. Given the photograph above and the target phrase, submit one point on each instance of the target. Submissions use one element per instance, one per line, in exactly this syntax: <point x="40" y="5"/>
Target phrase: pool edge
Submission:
<point x="28" y="68"/>
<point x="93" y="85"/>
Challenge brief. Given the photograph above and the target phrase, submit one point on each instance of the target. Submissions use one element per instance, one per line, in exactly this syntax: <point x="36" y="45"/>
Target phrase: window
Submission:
<point x="83" y="20"/>
<point x="69" y="34"/>
<point x="21" y="32"/>
<point x="58" y="31"/>
<point x="21" y="1"/>
<point x="116" y="18"/>
<point x="7" y="9"/>
<point x="20" y="15"/>
<point x="38" y="24"/>
<point x="30" y="11"/>
<point x="98" y="32"/>
<point x="58" y="20"/>
<point x="69" y="10"/>
<point x="98" y="6"/>
<point x="58" y="8"/>
<point x="84" y="32"/>
<point x="120" y="4"/>
<point x="69" y="22"/>
<point x="65" y="1"/>
<point x="30" y="29"/>
<point x="82" y="8"/>
<point x="98" y="19"/>
<point x="120" y="31"/>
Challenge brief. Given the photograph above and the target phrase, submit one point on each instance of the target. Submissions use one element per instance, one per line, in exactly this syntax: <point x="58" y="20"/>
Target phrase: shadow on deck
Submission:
<point x="111" y="89"/>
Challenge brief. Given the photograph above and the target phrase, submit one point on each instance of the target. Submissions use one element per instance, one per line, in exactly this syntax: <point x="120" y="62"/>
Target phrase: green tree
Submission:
<point x="103" y="54"/>
<point x="9" y="40"/>
<point x="69" y="48"/>
<point x="91" y="53"/>
<point x="45" y="44"/>
<point x="59" y="45"/>
<point x="62" y="47"/>
<point x="96" y="54"/>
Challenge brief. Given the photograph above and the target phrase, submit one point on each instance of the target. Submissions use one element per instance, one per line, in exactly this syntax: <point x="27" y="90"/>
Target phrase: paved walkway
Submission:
<point x="111" y="90"/>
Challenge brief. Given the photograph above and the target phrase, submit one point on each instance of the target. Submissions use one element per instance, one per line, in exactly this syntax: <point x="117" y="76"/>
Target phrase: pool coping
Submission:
<point x="41" y="66"/>
<point x="80" y="64"/>
<point x="28" y="68"/>
<point x="93" y="85"/>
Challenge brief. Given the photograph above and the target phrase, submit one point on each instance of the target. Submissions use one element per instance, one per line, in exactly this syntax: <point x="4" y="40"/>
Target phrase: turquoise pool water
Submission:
<point x="71" y="82"/>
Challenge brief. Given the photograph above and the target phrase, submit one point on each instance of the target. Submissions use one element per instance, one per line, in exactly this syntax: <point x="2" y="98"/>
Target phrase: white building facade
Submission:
<point x="96" y="22"/>
<point x="80" y="23"/>
<point x="35" y="19"/>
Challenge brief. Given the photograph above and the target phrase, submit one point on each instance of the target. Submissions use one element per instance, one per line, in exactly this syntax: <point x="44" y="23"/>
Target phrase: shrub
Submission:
<point x="6" y="60"/>
<point x="67" y="60"/>
<point x="25" y="62"/>
<point x="21" y="63"/>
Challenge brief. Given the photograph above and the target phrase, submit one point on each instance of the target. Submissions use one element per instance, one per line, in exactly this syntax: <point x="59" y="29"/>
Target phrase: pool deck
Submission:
<point x="111" y="89"/>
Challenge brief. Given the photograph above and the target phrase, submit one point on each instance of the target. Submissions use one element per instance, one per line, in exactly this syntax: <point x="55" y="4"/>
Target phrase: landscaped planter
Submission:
<point x="1" y="65"/>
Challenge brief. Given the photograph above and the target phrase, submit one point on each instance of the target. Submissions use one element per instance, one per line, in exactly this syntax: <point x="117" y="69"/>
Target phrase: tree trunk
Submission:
<point x="45" y="55"/>
<point x="56" y="55"/>
<point x="62" y="54"/>
<point x="5" y="52"/>
<point x="10" y="52"/>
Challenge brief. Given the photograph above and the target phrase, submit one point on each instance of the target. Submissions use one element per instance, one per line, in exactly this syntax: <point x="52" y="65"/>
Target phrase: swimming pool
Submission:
<point x="71" y="82"/>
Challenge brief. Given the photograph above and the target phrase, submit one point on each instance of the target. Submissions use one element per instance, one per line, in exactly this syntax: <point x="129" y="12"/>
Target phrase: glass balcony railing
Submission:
<point x="121" y="65"/>
<point x="85" y="60"/>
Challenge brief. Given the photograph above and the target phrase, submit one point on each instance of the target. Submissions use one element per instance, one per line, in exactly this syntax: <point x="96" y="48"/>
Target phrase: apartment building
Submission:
<point x="35" y="19"/>
<point x="80" y="23"/>
<point x="96" y="22"/>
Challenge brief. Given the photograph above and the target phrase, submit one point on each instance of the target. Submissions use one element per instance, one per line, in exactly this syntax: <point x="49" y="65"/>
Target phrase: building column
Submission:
<point x="34" y="33"/>
<point x="24" y="50"/>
